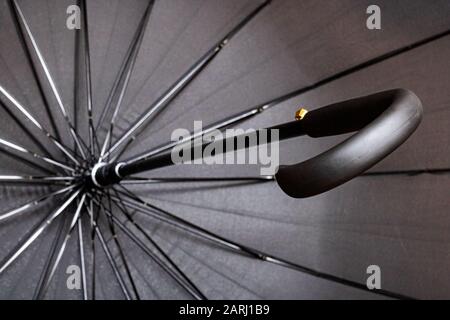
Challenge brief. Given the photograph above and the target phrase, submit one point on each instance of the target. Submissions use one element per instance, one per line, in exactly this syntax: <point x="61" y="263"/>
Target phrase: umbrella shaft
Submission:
<point x="114" y="172"/>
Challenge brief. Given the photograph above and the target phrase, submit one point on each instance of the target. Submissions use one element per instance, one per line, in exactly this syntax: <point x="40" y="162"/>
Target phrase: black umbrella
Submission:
<point x="89" y="183"/>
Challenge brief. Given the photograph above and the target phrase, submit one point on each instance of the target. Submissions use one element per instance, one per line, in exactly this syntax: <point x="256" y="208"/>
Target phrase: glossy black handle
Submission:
<point x="383" y="121"/>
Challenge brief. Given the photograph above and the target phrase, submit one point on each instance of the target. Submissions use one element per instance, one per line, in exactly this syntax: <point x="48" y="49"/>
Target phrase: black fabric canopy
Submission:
<point x="283" y="53"/>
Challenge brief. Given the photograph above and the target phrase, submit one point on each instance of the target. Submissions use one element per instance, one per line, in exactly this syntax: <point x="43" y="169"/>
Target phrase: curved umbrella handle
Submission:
<point x="383" y="120"/>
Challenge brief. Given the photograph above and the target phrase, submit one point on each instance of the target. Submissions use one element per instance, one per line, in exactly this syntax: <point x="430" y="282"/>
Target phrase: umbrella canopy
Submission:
<point x="115" y="89"/>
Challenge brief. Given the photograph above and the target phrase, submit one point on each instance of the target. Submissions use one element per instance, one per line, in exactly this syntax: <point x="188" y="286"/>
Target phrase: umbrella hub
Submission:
<point x="85" y="179"/>
<point x="103" y="174"/>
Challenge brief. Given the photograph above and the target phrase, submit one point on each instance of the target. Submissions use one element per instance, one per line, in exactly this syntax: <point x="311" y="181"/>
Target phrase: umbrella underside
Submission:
<point x="117" y="87"/>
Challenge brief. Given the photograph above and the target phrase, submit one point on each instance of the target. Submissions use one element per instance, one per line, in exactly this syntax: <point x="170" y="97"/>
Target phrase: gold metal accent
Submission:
<point x="300" y="114"/>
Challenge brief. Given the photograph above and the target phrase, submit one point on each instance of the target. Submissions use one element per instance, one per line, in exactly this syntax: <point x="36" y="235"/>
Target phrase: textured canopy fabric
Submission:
<point x="320" y="50"/>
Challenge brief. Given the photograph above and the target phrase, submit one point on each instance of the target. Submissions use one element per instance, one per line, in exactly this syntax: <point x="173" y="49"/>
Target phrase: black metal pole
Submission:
<point x="112" y="173"/>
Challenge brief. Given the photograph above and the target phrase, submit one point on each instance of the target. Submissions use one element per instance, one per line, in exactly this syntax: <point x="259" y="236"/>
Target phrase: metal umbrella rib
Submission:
<point x="135" y="202"/>
<point x="38" y="231"/>
<point x="109" y="256"/>
<point x="33" y="203"/>
<point x="93" y="142"/>
<point x="48" y="76"/>
<point x="82" y="258"/>
<point x="182" y="278"/>
<point x="123" y="79"/>
<point x="44" y="287"/>
<point x="19" y="148"/>
<point x="67" y="151"/>
<point x="181" y="83"/>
